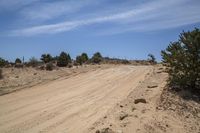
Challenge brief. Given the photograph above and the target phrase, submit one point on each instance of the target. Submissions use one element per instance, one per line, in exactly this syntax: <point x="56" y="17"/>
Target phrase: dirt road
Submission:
<point x="68" y="105"/>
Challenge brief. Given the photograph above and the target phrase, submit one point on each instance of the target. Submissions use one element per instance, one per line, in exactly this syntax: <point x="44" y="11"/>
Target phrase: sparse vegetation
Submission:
<point x="97" y="58"/>
<point x="108" y="60"/>
<point x="182" y="59"/>
<point x="63" y="60"/>
<point x="33" y="62"/>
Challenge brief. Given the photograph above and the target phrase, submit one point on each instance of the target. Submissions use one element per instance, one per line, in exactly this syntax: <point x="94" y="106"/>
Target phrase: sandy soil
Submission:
<point x="100" y="100"/>
<point x="15" y="79"/>
<point x="71" y="104"/>
<point x="162" y="111"/>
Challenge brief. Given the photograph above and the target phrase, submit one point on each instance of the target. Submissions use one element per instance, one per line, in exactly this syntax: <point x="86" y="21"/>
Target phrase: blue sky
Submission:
<point x="117" y="28"/>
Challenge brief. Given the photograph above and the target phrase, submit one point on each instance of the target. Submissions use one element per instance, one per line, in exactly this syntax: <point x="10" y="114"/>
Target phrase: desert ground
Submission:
<point x="94" y="99"/>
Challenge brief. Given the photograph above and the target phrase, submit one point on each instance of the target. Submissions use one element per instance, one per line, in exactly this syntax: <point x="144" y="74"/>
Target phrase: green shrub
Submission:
<point x="3" y="62"/>
<point x="18" y="61"/>
<point x="46" y="58"/>
<point x="69" y="58"/>
<point x="63" y="60"/>
<point x="49" y="66"/>
<point x="54" y="59"/>
<point x="79" y="60"/>
<point x="82" y="59"/>
<point x="96" y="58"/>
<point x="182" y="59"/>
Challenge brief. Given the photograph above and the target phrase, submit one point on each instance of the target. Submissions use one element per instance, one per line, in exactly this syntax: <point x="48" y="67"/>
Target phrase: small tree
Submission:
<point x="84" y="57"/>
<point x="69" y="58"/>
<point x="97" y="58"/>
<point x="63" y="59"/>
<point x="182" y="59"/>
<point x="79" y="60"/>
<point x="152" y="59"/>
<point x="18" y="61"/>
<point x="2" y="62"/>
<point x="46" y="58"/>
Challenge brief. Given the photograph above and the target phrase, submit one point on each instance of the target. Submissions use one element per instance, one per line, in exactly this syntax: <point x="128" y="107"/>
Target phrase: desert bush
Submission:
<point x="46" y="58"/>
<point x="1" y="75"/>
<point x="49" y="66"/>
<point x="54" y="59"/>
<point x="96" y="58"/>
<point x="3" y="62"/>
<point x="151" y="59"/>
<point x="18" y="61"/>
<point x="182" y="59"/>
<point x="79" y="60"/>
<point x="83" y="58"/>
<point x="33" y="62"/>
<point x="69" y="58"/>
<point x="125" y="62"/>
<point x="63" y="60"/>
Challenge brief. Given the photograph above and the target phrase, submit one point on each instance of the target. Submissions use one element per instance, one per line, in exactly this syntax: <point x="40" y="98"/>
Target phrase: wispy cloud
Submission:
<point x="46" y="11"/>
<point x="7" y="5"/>
<point x="148" y="16"/>
<point x="67" y="26"/>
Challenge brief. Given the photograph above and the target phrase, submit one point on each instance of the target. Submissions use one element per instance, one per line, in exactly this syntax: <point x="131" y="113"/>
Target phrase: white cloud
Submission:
<point x="14" y="4"/>
<point x="50" y="10"/>
<point x="149" y="16"/>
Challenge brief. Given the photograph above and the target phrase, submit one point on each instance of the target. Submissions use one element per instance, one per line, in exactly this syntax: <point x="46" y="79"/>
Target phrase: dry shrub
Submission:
<point x="1" y="75"/>
<point x="49" y="66"/>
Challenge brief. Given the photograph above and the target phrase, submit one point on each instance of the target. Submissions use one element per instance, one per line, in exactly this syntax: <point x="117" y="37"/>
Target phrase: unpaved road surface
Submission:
<point x="68" y="105"/>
